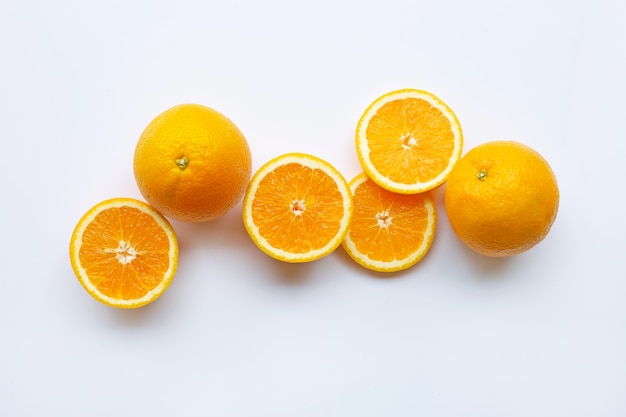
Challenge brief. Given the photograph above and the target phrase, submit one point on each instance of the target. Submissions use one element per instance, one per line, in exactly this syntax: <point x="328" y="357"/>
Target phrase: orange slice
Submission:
<point x="389" y="231"/>
<point x="297" y="208"/>
<point x="408" y="141"/>
<point x="124" y="253"/>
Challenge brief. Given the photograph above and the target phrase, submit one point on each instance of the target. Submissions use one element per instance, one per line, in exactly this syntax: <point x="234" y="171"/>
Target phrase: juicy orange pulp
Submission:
<point x="426" y="144"/>
<point x="124" y="253"/>
<point x="312" y="214"/>
<point x="408" y="141"/>
<point x="297" y="208"/>
<point x="389" y="231"/>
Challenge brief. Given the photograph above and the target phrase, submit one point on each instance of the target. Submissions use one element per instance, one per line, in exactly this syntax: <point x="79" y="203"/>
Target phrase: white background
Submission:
<point x="241" y="335"/>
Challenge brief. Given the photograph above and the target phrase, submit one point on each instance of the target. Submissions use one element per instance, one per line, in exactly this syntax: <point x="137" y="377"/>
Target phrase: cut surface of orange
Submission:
<point x="124" y="252"/>
<point x="297" y="208"/>
<point x="408" y="141"/>
<point x="389" y="231"/>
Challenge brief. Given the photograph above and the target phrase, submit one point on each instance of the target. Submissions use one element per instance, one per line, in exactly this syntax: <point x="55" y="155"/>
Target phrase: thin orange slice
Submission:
<point x="408" y="141"/>
<point x="389" y="231"/>
<point x="124" y="253"/>
<point x="297" y="208"/>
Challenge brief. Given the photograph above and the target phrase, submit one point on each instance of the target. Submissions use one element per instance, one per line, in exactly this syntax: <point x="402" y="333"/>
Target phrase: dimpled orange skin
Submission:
<point x="192" y="163"/>
<point x="501" y="198"/>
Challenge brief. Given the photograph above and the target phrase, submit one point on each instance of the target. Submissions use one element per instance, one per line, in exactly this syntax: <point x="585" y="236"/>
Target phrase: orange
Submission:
<point x="124" y="253"/>
<point x="389" y="231"/>
<point x="192" y="163"/>
<point x="408" y="141"/>
<point x="297" y="208"/>
<point x="501" y="198"/>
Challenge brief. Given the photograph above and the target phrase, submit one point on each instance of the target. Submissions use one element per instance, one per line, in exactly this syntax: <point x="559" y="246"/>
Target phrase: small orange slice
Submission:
<point x="389" y="231"/>
<point x="297" y="208"/>
<point x="124" y="253"/>
<point x="408" y="141"/>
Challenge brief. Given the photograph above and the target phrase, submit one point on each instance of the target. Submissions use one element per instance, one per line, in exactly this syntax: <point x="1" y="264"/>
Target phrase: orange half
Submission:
<point x="297" y="208"/>
<point x="408" y="141"/>
<point x="389" y="231"/>
<point x="124" y="253"/>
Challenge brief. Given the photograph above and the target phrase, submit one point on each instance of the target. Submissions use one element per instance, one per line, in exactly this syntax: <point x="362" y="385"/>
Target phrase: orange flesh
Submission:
<point x="121" y="264"/>
<point x="413" y="147"/>
<point x="405" y="215"/>
<point x="297" y="208"/>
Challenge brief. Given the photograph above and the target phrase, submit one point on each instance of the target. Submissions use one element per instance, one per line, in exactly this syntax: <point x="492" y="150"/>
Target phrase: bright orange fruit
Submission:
<point x="297" y="208"/>
<point x="124" y="253"/>
<point x="389" y="231"/>
<point x="502" y="198"/>
<point x="192" y="163"/>
<point x="408" y="141"/>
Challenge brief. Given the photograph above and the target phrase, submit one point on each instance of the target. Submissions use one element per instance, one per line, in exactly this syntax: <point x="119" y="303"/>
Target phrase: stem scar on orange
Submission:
<point x="297" y="208"/>
<point x="192" y="163"/>
<point x="408" y="141"/>
<point x="389" y="231"/>
<point x="501" y="198"/>
<point x="124" y="253"/>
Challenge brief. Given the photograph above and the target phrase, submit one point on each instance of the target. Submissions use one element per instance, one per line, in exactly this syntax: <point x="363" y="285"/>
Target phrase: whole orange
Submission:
<point x="192" y="163"/>
<point x="501" y="198"/>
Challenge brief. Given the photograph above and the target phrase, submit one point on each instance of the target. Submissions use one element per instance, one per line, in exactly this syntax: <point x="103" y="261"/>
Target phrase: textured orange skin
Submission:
<point x="218" y="169"/>
<point x="512" y="208"/>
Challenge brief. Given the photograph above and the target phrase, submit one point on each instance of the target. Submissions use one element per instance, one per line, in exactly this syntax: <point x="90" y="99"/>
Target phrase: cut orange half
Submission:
<point x="408" y="141"/>
<point x="389" y="231"/>
<point x="297" y="208"/>
<point x="124" y="253"/>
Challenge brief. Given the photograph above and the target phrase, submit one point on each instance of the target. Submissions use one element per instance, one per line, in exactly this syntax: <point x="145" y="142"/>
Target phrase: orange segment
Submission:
<point x="124" y="253"/>
<point x="408" y="141"/>
<point x="297" y="208"/>
<point x="389" y="231"/>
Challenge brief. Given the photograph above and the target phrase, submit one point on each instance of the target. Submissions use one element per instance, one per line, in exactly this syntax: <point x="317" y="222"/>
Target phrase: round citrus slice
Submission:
<point x="408" y="141"/>
<point x="124" y="252"/>
<point x="297" y="208"/>
<point x="389" y="231"/>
